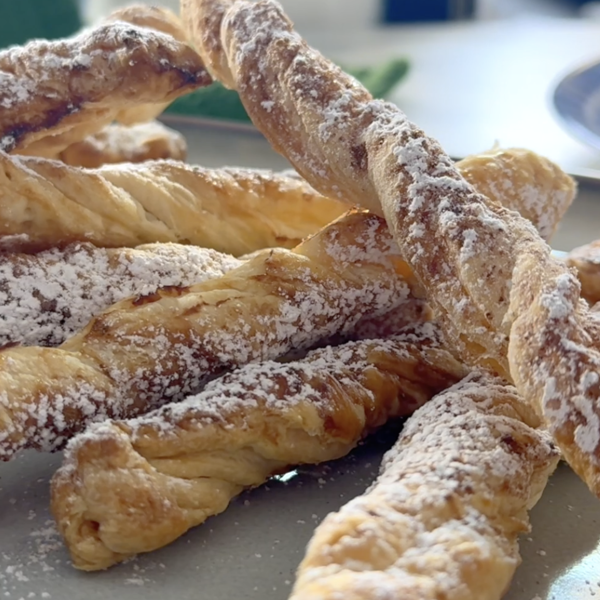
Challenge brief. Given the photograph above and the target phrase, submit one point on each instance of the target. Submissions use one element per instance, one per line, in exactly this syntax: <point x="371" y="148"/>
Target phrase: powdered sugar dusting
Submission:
<point x="266" y="416"/>
<point x="54" y="78"/>
<point x="148" y="351"/>
<point x="277" y="387"/>
<point x="47" y="297"/>
<point x="462" y="473"/>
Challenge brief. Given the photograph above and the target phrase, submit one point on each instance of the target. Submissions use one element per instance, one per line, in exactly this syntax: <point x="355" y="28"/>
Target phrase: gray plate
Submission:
<point x="251" y="551"/>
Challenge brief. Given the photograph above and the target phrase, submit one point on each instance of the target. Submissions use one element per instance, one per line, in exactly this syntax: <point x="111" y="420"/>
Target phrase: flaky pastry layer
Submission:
<point x="503" y="301"/>
<point x="145" y="351"/>
<point x="442" y="520"/>
<point x="47" y="297"/>
<point x="45" y="203"/>
<point x="127" y="487"/>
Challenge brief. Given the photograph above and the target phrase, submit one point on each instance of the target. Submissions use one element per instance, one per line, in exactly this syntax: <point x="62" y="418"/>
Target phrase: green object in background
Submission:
<point x="217" y="102"/>
<point x="23" y="20"/>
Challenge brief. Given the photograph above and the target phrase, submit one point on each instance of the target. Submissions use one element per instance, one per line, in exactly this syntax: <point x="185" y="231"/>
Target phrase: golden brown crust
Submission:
<point x="504" y="302"/>
<point x="133" y="486"/>
<point x="119" y="143"/>
<point x="58" y="92"/>
<point x="202" y="20"/>
<point x="49" y="296"/>
<point x="442" y="520"/>
<point x="45" y="203"/>
<point x="145" y="351"/>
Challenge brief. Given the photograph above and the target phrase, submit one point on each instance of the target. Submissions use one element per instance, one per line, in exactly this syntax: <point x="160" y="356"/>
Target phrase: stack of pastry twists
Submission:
<point x="44" y="204"/>
<point x="442" y="519"/>
<point x="146" y="350"/>
<point x="234" y="209"/>
<point x="133" y="486"/>
<point x="503" y="301"/>
<point x="49" y="296"/>
<point x="159" y="450"/>
<point x="56" y="93"/>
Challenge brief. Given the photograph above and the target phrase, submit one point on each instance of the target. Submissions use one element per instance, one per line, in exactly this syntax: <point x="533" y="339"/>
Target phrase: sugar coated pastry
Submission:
<point x="147" y="350"/>
<point x="127" y="487"/>
<point x="504" y="302"/>
<point x="55" y="93"/>
<point x="120" y="143"/>
<point x="45" y="203"/>
<point x="49" y="296"/>
<point x="442" y="520"/>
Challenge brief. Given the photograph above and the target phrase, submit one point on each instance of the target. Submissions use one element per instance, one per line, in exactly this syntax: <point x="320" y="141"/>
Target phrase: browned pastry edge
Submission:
<point x="133" y="486"/>
<point x="58" y="92"/>
<point x="145" y="351"/>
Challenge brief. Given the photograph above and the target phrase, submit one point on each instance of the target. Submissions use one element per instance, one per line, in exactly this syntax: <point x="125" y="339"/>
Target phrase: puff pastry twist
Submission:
<point x="147" y="350"/>
<point x="58" y="92"/>
<point x="49" y="296"/>
<point x="504" y="302"/>
<point x="127" y="487"/>
<point x="119" y="143"/>
<point x="45" y="203"/>
<point x="442" y="520"/>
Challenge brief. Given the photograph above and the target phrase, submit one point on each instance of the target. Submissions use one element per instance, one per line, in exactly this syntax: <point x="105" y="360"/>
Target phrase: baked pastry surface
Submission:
<point x="504" y="302"/>
<point x="45" y="204"/>
<point x="133" y="486"/>
<point x="56" y="93"/>
<point x="144" y="351"/>
<point x="49" y="296"/>
<point x="442" y="520"/>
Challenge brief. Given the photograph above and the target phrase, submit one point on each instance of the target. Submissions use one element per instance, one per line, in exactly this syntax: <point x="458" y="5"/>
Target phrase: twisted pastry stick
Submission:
<point x="118" y="143"/>
<point x="56" y="93"/>
<point x="586" y="259"/>
<point x="47" y="297"/>
<point x="45" y="203"/>
<point x="503" y="301"/>
<point x="315" y="115"/>
<point x="133" y="486"/>
<point x="151" y="349"/>
<point x="442" y="520"/>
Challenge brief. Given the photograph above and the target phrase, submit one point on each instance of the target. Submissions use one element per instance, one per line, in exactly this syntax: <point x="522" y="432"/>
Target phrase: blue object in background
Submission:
<point x="403" y="11"/>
